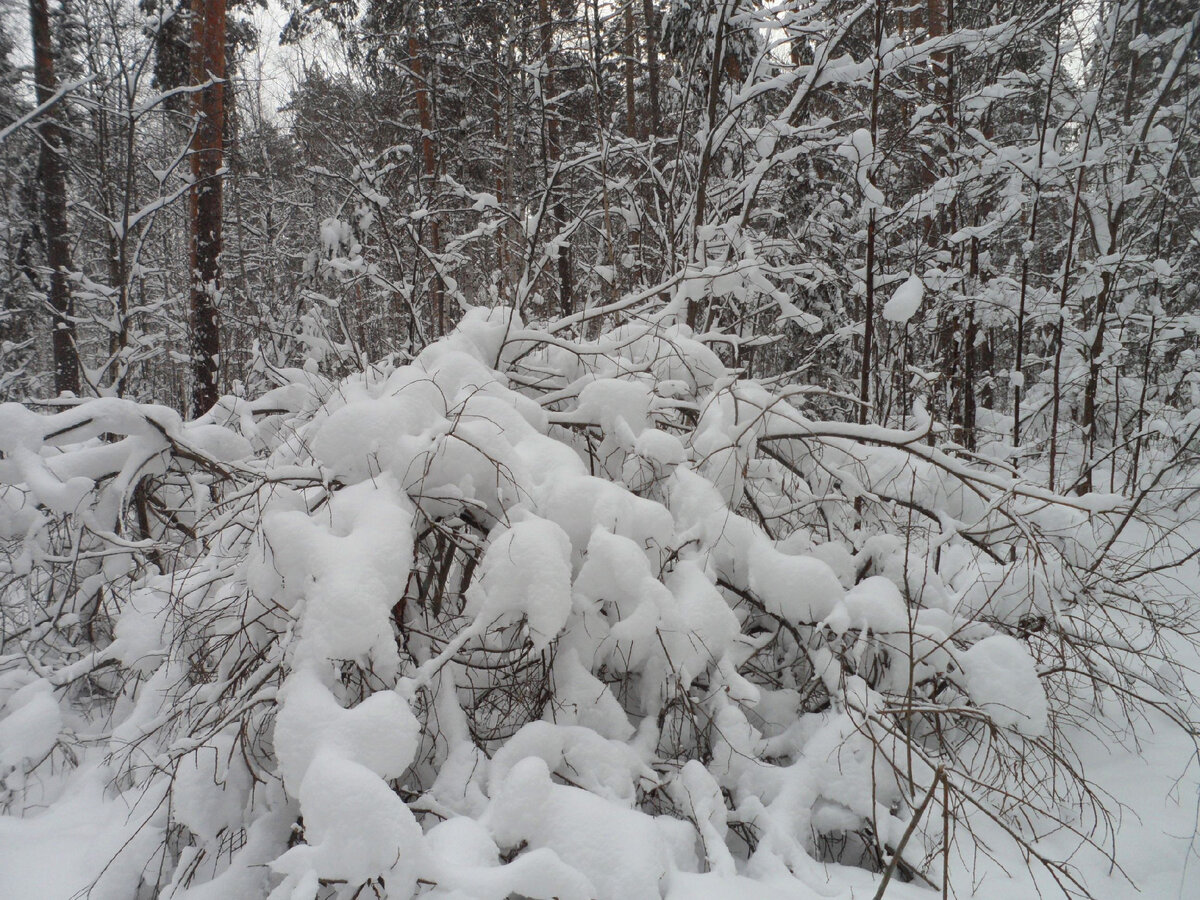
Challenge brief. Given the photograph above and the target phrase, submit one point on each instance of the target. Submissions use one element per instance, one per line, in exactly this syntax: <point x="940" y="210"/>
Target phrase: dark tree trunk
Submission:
<point x="631" y="62"/>
<point x="566" y="302"/>
<point x="52" y="175"/>
<point x="650" y="15"/>
<point x="204" y="199"/>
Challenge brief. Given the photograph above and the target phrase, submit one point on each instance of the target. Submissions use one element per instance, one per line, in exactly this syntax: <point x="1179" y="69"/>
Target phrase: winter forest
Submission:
<point x="599" y="449"/>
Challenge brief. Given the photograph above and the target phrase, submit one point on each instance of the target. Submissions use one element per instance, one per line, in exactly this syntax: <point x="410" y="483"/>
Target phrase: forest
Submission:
<point x="571" y="449"/>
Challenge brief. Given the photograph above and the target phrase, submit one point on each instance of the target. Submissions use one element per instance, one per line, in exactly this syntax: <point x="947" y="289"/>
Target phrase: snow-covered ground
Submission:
<point x="1150" y="772"/>
<point x="59" y="853"/>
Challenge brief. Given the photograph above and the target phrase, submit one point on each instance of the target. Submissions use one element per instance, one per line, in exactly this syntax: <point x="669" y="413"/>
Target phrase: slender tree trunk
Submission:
<point x="970" y="335"/>
<point x="546" y="35"/>
<point x="205" y="200"/>
<point x="498" y="165"/>
<point x="864" y="387"/>
<point x="650" y="17"/>
<point x="429" y="160"/>
<point x="1096" y="346"/>
<point x="52" y="175"/>
<point x="602" y="142"/>
<point x="710" y="120"/>
<point x="509" y="190"/>
<point x="566" y="302"/>
<point x="631" y="61"/>
<point x="121" y="263"/>
<point x="1033" y="227"/>
<point x="1131" y="482"/>
<point x="1064" y="288"/>
<point x="597" y="42"/>
<point x="1089" y="422"/>
<point x="941" y="14"/>
<point x="1116" y="430"/>
<point x="1019" y="364"/>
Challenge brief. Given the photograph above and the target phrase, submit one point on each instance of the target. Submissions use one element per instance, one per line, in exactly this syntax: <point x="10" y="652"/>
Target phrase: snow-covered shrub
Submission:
<point x="553" y="617"/>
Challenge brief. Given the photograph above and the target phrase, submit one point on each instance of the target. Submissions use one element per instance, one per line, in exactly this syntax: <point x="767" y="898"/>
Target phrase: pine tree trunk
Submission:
<point x="429" y="159"/>
<point x="566" y="303"/>
<point x="204" y="199"/>
<point x="52" y="175"/>
<point x="650" y="15"/>
<point x="630" y="66"/>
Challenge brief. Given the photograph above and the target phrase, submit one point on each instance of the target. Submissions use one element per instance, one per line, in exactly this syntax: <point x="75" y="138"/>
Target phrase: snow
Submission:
<point x="576" y="825"/>
<point x="1003" y="681"/>
<point x="347" y="568"/>
<point x="334" y="761"/>
<point x="31" y="725"/>
<point x="612" y="585"/>
<point x="89" y="841"/>
<point x="905" y="301"/>
<point x="370" y="436"/>
<point x="610" y="769"/>
<point x="797" y="588"/>
<point x="381" y="733"/>
<point x="527" y="572"/>
<point x="874" y="604"/>
<point x="860" y="150"/>
<point x="464" y="863"/>
<point x="583" y="699"/>
<point x="355" y="828"/>
<point x="212" y="786"/>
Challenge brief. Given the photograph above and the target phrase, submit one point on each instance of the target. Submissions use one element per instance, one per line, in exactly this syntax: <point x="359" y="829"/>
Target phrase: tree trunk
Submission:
<point x="1089" y="422"/>
<point x="631" y="61"/>
<point x="52" y="175"/>
<point x="204" y="199"/>
<point x="967" y="415"/>
<point x="650" y="15"/>
<point x="566" y="303"/>
<point x="710" y="118"/>
<point x="864" y="387"/>
<point x="429" y="158"/>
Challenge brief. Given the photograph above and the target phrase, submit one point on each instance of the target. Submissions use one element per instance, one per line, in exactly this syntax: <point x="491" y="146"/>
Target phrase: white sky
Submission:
<point x="272" y="68"/>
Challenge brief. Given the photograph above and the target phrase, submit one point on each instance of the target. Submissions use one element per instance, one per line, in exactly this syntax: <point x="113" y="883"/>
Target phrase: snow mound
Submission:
<point x="1002" y="680"/>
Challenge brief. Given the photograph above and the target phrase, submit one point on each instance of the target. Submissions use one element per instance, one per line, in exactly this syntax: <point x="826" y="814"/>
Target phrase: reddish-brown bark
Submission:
<point x="205" y="198"/>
